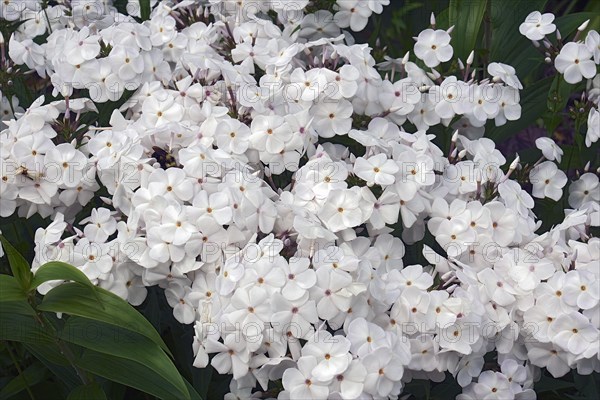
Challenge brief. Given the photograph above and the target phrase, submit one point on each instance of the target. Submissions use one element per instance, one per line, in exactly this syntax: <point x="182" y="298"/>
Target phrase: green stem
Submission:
<point x="18" y="367"/>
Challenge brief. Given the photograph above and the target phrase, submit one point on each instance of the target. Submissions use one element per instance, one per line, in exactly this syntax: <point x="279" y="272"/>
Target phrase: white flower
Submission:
<point x="384" y="372"/>
<point x="505" y="73"/>
<point x="332" y="354"/>
<point x="433" y="47"/>
<point x="537" y="25"/>
<point x="575" y="63"/>
<point x="101" y="224"/>
<point x="547" y="181"/>
<point x="160" y="110"/>
<point x="376" y="170"/>
<point x="583" y="190"/>
<point x="344" y="209"/>
<point x="515" y="197"/>
<point x="300" y="382"/>
<point x="233" y="356"/>
<point x="353" y="13"/>
<point x="350" y="383"/>
<point x="364" y="336"/>
<point x="270" y="134"/>
<point x="592" y="42"/>
<point x="333" y="118"/>
<point x="549" y="148"/>
<point x="593" y="127"/>
<point x="573" y="332"/>
<point x="492" y="385"/>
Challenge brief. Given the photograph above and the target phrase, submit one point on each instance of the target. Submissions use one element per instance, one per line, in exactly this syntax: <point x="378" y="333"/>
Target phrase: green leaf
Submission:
<point x="76" y="299"/>
<point x="18" y="265"/>
<point x="10" y="289"/>
<point x="466" y="16"/>
<point x="21" y="328"/>
<point x="145" y="9"/>
<point x="128" y="372"/>
<point x="51" y="357"/>
<point x="31" y="376"/>
<point x="56" y="270"/>
<point x="91" y="391"/>
<point x="120" y="342"/>
<point x="532" y="109"/>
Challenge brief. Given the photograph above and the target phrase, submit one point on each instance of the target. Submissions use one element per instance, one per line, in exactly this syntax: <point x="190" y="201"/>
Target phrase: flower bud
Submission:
<point x="432" y="19"/>
<point x="1" y="38"/>
<point x="583" y="26"/>
<point x="455" y="136"/>
<point x="471" y="58"/>
<point x="587" y="167"/>
<point x="450" y="30"/>
<point x="405" y="58"/>
<point x="548" y="60"/>
<point x="515" y="163"/>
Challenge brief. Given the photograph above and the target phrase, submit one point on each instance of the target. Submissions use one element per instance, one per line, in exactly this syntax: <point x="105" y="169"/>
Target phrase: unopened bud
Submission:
<point x="587" y="167"/>
<point x="514" y="164"/>
<point x="496" y="79"/>
<point x="583" y="26"/>
<point x="535" y="43"/>
<point x="462" y="154"/>
<point x="558" y="35"/>
<point x="548" y="60"/>
<point x="424" y="88"/>
<point x="455" y="136"/>
<point x="1" y="38"/>
<point x="471" y="58"/>
<point x="405" y="58"/>
<point x="460" y="64"/>
<point x="447" y="275"/>
<point x="547" y="44"/>
<point x="450" y="30"/>
<point x="432" y="19"/>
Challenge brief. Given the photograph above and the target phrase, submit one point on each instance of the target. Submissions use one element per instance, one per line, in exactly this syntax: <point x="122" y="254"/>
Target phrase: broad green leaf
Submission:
<point x="466" y="16"/>
<point x="76" y="299"/>
<point x="16" y="327"/>
<point x="193" y="394"/>
<point x="51" y="357"/>
<point x="19" y="266"/>
<point x="120" y="342"/>
<point x="56" y="270"/>
<point x="10" y="289"/>
<point x="129" y="373"/>
<point x="91" y="391"/>
<point x="31" y="376"/>
<point x="145" y="9"/>
<point x="533" y="107"/>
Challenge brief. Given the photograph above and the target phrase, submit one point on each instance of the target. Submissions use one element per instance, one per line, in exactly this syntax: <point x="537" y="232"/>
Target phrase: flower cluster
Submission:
<point x="575" y="60"/>
<point x="220" y="176"/>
